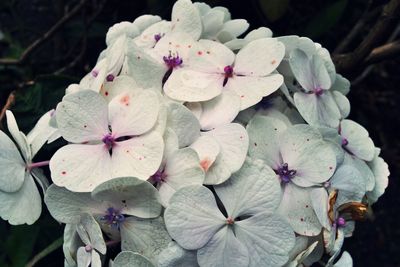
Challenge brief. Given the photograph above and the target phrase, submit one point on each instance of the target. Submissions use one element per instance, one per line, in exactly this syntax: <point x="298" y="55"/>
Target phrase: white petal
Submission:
<point x="22" y="206"/>
<point x="82" y="116"/>
<point x="319" y="200"/>
<point x="381" y="172"/>
<point x="83" y="257"/>
<point x="138" y="157"/>
<point x="183" y="123"/>
<point x="344" y="261"/>
<point x="182" y="168"/>
<point x="220" y="110"/>
<point x="175" y="256"/>
<point x="128" y="259"/>
<point x="251" y="190"/>
<point x="259" y="57"/>
<point x="342" y="102"/>
<point x="186" y="18"/>
<point x="144" y="21"/>
<point x="18" y="136"/>
<point x="193" y="217"/>
<point x="147" y="38"/>
<point x="193" y="86"/>
<point x="351" y="185"/>
<point x="147" y="71"/>
<point x="147" y="237"/>
<point x="12" y="166"/>
<point x="252" y="89"/>
<point x="260" y="146"/>
<point x="207" y="149"/>
<point x="363" y="168"/>
<point x="267" y="237"/>
<point x="235" y="27"/>
<point x="80" y="168"/>
<point x="42" y="131"/>
<point x="296" y="207"/>
<point x="132" y="115"/>
<point x="318" y="110"/>
<point x="234" y="142"/>
<point x="224" y="249"/>
<point x="360" y="144"/>
<point x="121" y="84"/>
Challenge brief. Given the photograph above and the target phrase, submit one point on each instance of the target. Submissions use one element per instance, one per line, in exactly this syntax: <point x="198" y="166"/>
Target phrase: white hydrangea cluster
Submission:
<point x="188" y="146"/>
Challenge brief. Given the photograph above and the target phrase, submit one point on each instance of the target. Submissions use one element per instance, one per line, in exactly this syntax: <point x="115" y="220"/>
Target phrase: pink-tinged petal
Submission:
<point x="150" y="36"/>
<point x="259" y="57"/>
<point x="207" y="149"/>
<point x="252" y="89"/>
<point x="133" y="114"/>
<point x="234" y="142"/>
<point x="82" y="117"/>
<point x="80" y="168"/>
<point x="193" y="86"/>
<point x="139" y="156"/>
<point x="211" y="57"/>
<point x="121" y="84"/>
<point x="220" y="110"/>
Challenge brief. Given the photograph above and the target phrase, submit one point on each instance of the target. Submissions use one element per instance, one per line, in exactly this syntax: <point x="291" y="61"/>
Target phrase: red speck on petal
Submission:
<point x="125" y="100"/>
<point x="273" y="62"/>
<point x="205" y="164"/>
<point x="140" y="158"/>
<point x="178" y="45"/>
<point x="177" y="19"/>
<point x="255" y="144"/>
<point x="242" y="96"/>
<point x="208" y="52"/>
<point x="85" y="126"/>
<point x="170" y="43"/>
<point x="106" y="93"/>
<point x="199" y="53"/>
<point x="301" y="219"/>
<point x="127" y="151"/>
<point x="64" y="173"/>
<point x="138" y="57"/>
<point x="189" y="46"/>
<point x="306" y="206"/>
<point x="241" y="137"/>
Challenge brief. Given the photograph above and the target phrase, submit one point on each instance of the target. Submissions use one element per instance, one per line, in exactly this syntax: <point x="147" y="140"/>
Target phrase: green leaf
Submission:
<point x="274" y="9"/>
<point x="325" y="19"/>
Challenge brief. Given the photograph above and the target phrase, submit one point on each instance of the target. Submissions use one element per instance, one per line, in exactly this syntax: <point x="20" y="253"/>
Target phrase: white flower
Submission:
<point x="109" y="141"/>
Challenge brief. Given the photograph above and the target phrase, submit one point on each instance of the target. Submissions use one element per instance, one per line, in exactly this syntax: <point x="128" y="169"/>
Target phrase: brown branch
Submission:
<point x="382" y="28"/>
<point x="384" y="52"/>
<point x="45" y="37"/>
<point x="358" y="27"/>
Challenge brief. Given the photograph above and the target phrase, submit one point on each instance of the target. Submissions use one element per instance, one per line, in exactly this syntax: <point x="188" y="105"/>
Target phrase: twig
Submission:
<point x="45" y="37"/>
<point x="383" y="52"/>
<point x="356" y="30"/>
<point x="52" y="247"/>
<point x="380" y="31"/>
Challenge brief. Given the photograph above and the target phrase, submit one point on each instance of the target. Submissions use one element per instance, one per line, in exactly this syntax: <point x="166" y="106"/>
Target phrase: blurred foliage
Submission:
<point x="41" y="81"/>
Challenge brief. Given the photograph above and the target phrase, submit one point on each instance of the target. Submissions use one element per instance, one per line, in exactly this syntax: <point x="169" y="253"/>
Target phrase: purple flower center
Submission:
<point x="158" y="36"/>
<point x="95" y="73"/>
<point x="341" y="222"/>
<point x="159" y="176"/>
<point x="230" y="221"/>
<point x="172" y="61"/>
<point x="318" y="91"/>
<point x="345" y="142"/>
<point x="113" y="217"/>
<point x="108" y="140"/>
<point x="110" y="77"/>
<point x="285" y="174"/>
<point x="228" y="71"/>
<point x="88" y="248"/>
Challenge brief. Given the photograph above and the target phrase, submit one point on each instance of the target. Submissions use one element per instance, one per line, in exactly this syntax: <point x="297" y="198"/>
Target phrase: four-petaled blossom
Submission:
<point x="109" y="140"/>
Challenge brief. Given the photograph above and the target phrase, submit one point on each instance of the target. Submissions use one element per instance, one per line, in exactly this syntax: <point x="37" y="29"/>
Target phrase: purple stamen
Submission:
<point x="230" y="221"/>
<point x="113" y="217"/>
<point x="158" y="36"/>
<point x="95" y="73"/>
<point x="110" y="77"/>
<point x="345" y="142"/>
<point x="285" y="174"/>
<point x="341" y="222"/>
<point x="318" y="91"/>
<point x="172" y="61"/>
<point x="159" y="176"/>
<point x="228" y="71"/>
<point x="108" y="140"/>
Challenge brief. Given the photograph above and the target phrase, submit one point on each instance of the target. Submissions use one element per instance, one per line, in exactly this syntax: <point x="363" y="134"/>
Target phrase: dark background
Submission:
<point x="38" y="83"/>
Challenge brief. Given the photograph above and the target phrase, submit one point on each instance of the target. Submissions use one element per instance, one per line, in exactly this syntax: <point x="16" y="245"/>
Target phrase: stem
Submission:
<point x="52" y="247"/>
<point x="38" y="164"/>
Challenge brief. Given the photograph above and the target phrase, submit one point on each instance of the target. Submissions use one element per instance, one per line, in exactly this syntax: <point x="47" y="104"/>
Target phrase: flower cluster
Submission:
<point x="190" y="146"/>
